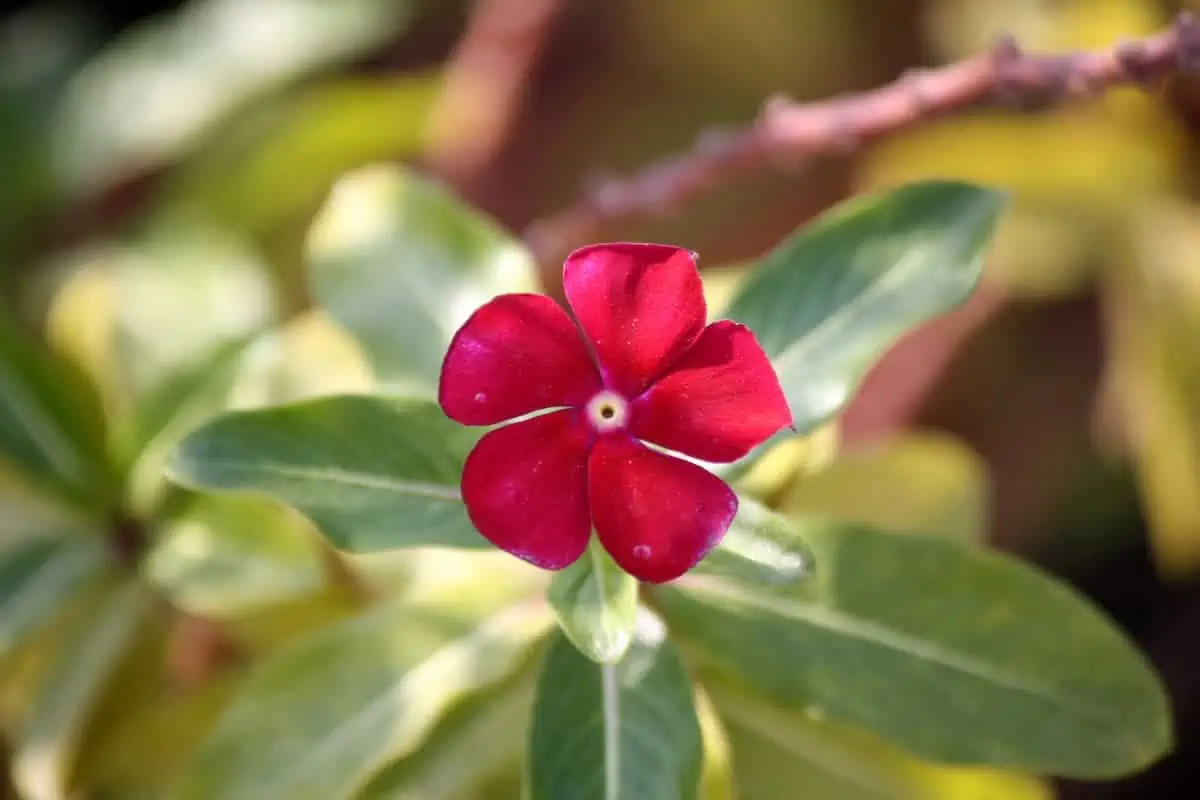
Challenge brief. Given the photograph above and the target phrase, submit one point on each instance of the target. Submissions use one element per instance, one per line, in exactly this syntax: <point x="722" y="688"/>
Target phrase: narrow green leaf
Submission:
<point x="194" y="393"/>
<point x="37" y="576"/>
<point x="197" y="384"/>
<point x="760" y="546"/>
<point x="218" y="55"/>
<point x="832" y="298"/>
<point x="479" y="741"/>
<point x="29" y="511"/>
<point x="716" y="778"/>
<point x="51" y="422"/>
<point x="401" y="263"/>
<point x="615" y="731"/>
<point x="373" y="473"/>
<point x="596" y="604"/>
<point x="46" y="749"/>
<point x="323" y="717"/>
<point x="275" y="163"/>
<point x="958" y="654"/>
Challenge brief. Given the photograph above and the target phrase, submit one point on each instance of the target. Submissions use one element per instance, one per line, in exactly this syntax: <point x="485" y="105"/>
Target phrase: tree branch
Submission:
<point x="485" y="82"/>
<point x="788" y="135"/>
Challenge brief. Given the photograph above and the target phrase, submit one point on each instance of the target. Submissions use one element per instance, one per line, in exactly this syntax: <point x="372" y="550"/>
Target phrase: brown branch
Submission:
<point x="485" y="83"/>
<point x="788" y="135"/>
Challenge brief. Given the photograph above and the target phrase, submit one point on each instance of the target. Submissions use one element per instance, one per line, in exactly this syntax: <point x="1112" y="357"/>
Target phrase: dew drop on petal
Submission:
<point x="641" y="551"/>
<point x="480" y="397"/>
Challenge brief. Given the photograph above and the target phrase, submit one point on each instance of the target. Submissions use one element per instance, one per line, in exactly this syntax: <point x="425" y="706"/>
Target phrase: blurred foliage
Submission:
<point x="1095" y="210"/>
<point x="172" y="248"/>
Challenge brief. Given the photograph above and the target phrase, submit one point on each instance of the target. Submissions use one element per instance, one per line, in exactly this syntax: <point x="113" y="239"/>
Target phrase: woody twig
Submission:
<point x="788" y="134"/>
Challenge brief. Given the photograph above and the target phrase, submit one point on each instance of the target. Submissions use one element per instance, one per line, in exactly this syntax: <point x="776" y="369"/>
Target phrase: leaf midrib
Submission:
<point x="830" y="619"/>
<point x="336" y="475"/>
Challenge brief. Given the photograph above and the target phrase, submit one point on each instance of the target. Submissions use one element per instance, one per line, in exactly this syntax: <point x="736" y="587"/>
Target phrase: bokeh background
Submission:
<point x="1064" y="399"/>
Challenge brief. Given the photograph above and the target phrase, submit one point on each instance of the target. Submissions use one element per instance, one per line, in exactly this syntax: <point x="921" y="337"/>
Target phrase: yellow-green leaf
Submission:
<point x="83" y="666"/>
<point x="781" y="754"/>
<point x="956" y="653"/>
<point x="321" y="718"/>
<point x="596" y="604"/>
<point x="401" y="263"/>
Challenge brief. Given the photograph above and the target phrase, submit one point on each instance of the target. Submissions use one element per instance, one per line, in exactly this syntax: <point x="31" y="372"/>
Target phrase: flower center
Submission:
<point x="608" y="411"/>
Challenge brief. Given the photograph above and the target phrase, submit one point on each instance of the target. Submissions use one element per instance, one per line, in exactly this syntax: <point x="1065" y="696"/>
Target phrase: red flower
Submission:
<point x="645" y="368"/>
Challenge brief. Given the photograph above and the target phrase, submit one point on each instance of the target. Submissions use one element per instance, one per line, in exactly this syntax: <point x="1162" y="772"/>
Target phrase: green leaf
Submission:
<point x="716" y="778"/>
<point x="186" y="71"/>
<point x="276" y="162"/>
<point x="51" y="422"/>
<point x="479" y="741"/>
<point x="150" y="680"/>
<point x="923" y="482"/>
<point x="596" y="604"/>
<point x="759" y="547"/>
<point x="372" y="473"/>
<point x="31" y="512"/>
<point x="958" y="654"/>
<point x="140" y="748"/>
<point x="401" y="264"/>
<point x="832" y="298"/>
<point x="161" y="325"/>
<point x="29" y="99"/>
<point x="323" y="717"/>
<point x="307" y="357"/>
<point x="607" y="731"/>
<point x="157" y="320"/>
<point x="229" y="555"/>
<point x="37" y="576"/>
<point x="193" y="394"/>
<point x="45" y="752"/>
<point x="780" y="755"/>
<point x="188" y="293"/>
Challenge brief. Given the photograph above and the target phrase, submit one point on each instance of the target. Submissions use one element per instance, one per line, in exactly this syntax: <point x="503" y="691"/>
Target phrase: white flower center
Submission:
<point x="608" y="411"/>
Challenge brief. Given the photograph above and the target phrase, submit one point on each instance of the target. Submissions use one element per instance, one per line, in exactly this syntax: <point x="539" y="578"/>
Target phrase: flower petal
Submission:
<point x="516" y="354"/>
<point x="525" y="487"/>
<point x="655" y="514"/>
<point x="641" y="305"/>
<point x="720" y="399"/>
